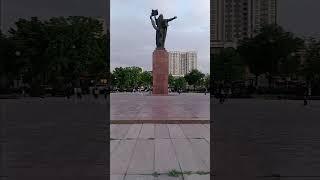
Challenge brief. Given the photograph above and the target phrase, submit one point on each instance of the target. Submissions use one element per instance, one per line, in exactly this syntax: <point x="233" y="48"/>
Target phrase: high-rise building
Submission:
<point x="233" y="20"/>
<point x="181" y="63"/>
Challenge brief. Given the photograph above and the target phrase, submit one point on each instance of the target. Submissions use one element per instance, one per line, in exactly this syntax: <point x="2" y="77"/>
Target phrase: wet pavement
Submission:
<point x="130" y="106"/>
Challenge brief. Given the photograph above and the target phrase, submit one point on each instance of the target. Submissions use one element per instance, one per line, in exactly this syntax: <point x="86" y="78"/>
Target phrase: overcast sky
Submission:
<point x="133" y="37"/>
<point x="300" y="16"/>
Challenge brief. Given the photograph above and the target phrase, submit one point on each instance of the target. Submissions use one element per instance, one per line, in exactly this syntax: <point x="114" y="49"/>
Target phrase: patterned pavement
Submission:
<point x="191" y="106"/>
<point x="156" y="151"/>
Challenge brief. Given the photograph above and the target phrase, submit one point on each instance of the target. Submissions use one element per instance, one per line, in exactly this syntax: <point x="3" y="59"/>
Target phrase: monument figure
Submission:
<point x="160" y="65"/>
<point x="160" y="25"/>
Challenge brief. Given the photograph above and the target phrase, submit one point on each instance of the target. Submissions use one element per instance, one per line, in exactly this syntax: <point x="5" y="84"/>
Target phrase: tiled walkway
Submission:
<point x="159" y="151"/>
<point x="193" y="106"/>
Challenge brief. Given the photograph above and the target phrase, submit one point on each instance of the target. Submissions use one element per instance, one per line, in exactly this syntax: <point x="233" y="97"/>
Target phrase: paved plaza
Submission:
<point x="130" y="106"/>
<point x="141" y="150"/>
<point x="152" y="151"/>
<point x="53" y="138"/>
<point x="266" y="139"/>
<point x="252" y="139"/>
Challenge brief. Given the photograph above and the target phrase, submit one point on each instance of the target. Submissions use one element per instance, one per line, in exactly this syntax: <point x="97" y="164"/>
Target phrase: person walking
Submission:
<point x="79" y="92"/>
<point x="305" y="96"/>
<point x="229" y="93"/>
<point x="96" y="92"/>
<point x="222" y="96"/>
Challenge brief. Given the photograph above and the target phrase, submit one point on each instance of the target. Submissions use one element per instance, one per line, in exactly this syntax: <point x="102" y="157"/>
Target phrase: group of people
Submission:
<point x="79" y="93"/>
<point x="223" y="94"/>
<point x="307" y="95"/>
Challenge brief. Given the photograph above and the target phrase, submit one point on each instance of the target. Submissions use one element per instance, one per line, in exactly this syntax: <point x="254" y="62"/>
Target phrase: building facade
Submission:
<point x="181" y="63"/>
<point x="233" y="20"/>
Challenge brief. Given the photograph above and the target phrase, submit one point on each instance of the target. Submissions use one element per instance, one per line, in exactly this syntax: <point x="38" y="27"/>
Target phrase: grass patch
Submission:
<point x="174" y="173"/>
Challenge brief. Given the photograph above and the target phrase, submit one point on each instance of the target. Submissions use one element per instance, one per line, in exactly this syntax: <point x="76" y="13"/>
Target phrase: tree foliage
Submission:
<point x="57" y="48"/>
<point x="194" y="78"/>
<point x="265" y="52"/>
<point x="228" y="66"/>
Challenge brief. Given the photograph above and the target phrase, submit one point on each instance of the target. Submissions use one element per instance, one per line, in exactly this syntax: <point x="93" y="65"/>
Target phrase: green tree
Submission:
<point x="10" y="66"/>
<point x="180" y="83"/>
<point x="146" y="79"/>
<point x="311" y="67"/>
<point x="60" y="48"/>
<point x="264" y="53"/>
<point x="77" y="46"/>
<point x="207" y="81"/>
<point x="31" y="39"/>
<point x="228" y="66"/>
<point x="171" y="80"/>
<point x="127" y="78"/>
<point x="194" y="78"/>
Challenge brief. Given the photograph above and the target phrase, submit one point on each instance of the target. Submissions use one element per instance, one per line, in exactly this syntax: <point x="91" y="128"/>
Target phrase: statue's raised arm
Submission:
<point x="172" y="19"/>
<point x="153" y="23"/>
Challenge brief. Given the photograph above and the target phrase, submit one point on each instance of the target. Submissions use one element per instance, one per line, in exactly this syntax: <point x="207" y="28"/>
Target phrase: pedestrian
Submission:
<point x="23" y="91"/>
<point x="79" y="92"/>
<point x="68" y="89"/>
<point x="105" y="93"/>
<point x="222" y="96"/>
<point x="305" y="97"/>
<point x="229" y="92"/>
<point x="96" y="92"/>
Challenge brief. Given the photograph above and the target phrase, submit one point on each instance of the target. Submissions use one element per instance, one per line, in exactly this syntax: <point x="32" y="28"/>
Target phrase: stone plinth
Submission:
<point x="160" y="72"/>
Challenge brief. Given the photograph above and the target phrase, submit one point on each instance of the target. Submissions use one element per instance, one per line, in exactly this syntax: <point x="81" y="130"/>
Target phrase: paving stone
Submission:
<point x="143" y="158"/>
<point x="119" y="131"/>
<point x="166" y="177"/>
<point x="205" y="133"/>
<point x="188" y="159"/>
<point x="120" y="158"/>
<point x="147" y="131"/>
<point x="190" y="131"/>
<point x="196" y="177"/>
<point x="175" y="131"/>
<point x="134" y="131"/>
<point x="161" y="131"/>
<point x="139" y="177"/>
<point x="207" y="125"/>
<point x="116" y="177"/>
<point x="202" y="148"/>
<point x="113" y="145"/>
<point x="184" y="106"/>
<point x="165" y="157"/>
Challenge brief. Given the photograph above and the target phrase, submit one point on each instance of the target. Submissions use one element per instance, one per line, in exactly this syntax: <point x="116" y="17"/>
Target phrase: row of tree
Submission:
<point x="273" y="52"/>
<point x="134" y="77"/>
<point x="53" y="51"/>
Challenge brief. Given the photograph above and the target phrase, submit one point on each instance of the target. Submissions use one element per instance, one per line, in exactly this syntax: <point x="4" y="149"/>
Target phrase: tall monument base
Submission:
<point x="160" y="72"/>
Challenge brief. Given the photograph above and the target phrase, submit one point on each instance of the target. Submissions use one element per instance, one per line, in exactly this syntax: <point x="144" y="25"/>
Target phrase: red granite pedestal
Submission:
<point x="160" y="72"/>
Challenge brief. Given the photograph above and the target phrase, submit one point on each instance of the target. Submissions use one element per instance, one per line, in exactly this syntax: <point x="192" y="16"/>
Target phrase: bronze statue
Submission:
<point x="160" y="25"/>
